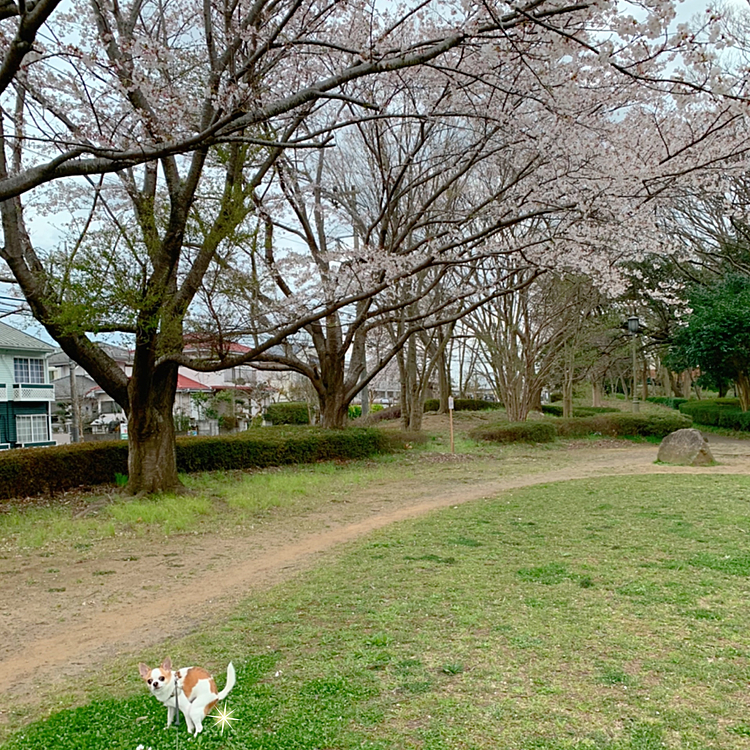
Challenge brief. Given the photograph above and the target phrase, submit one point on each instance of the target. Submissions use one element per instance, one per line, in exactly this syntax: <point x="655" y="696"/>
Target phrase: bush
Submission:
<point x="463" y="404"/>
<point x="39" y="471"/>
<point x="275" y="447"/>
<point x="517" y="432"/>
<point x="35" y="471"/>
<point x="673" y="402"/>
<point x="556" y="410"/>
<point x="718" y="412"/>
<point x="291" y="412"/>
<point x="623" y="425"/>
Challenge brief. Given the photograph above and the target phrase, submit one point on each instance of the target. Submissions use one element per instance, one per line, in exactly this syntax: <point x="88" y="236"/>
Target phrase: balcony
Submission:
<point x="33" y="392"/>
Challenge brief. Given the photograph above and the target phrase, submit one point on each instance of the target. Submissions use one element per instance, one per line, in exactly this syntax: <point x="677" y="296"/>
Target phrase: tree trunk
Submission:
<point x="412" y="388"/>
<point x="597" y="391"/>
<point x="334" y="408"/>
<point x="667" y="382"/>
<point x="152" y="460"/>
<point x="334" y="412"/>
<point x="568" y="383"/>
<point x="743" y="390"/>
<point x="444" y="382"/>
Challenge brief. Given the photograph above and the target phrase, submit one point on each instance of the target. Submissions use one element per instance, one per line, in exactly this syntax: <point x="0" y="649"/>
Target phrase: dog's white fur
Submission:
<point x="195" y="688"/>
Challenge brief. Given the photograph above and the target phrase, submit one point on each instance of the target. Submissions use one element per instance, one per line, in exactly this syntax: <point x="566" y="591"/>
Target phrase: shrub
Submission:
<point x="673" y="402"/>
<point x="623" y="425"/>
<point x="355" y="411"/>
<point x="556" y="410"/>
<point x="35" y="471"/>
<point x="379" y="415"/>
<point x="38" y="471"/>
<point x="464" y="404"/>
<point x="556" y="396"/>
<point x="291" y="412"/>
<point x="517" y="432"/>
<point x="275" y="447"/>
<point x="718" y="412"/>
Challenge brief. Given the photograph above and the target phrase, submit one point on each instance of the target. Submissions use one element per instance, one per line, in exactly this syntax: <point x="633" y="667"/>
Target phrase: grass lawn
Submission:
<point x="607" y="613"/>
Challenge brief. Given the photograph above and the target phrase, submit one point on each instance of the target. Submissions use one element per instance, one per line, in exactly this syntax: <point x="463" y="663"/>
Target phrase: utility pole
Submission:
<point x="75" y="427"/>
<point x="634" y="327"/>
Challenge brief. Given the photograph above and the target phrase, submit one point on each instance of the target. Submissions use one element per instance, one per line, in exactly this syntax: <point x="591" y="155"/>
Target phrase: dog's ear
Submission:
<point x="166" y="665"/>
<point x="144" y="670"/>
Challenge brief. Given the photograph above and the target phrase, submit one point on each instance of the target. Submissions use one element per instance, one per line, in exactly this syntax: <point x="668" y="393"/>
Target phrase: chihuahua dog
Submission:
<point x="192" y="689"/>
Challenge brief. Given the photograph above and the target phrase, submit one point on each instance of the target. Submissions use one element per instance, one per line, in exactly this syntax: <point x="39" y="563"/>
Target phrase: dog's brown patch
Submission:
<point x="193" y="676"/>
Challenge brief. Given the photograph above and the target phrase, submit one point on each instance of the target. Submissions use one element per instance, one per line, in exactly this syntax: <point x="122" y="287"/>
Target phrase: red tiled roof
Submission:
<point x="188" y="384"/>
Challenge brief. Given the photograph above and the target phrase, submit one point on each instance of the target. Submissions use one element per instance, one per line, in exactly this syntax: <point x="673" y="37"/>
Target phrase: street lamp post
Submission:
<point x="633" y="329"/>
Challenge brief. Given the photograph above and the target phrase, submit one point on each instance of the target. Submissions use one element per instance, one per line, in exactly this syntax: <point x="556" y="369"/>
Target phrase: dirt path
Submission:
<point x="61" y="616"/>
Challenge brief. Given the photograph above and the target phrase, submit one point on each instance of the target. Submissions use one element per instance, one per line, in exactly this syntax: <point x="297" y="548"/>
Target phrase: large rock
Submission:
<point x="686" y="448"/>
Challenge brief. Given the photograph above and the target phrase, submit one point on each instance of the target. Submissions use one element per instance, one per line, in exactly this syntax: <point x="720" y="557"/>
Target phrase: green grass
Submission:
<point x="215" y="500"/>
<point x="606" y="614"/>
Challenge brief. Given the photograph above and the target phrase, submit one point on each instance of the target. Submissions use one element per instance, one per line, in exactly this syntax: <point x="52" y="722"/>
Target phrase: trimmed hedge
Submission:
<point x="623" y="425"/>
<point x="36" y="471"/>
<point x="673" y="402"/>
<point x="556" y="410"/>
<point x="464" y="404"/>
<point x="718" y="412"/>
<point x="291" y="412"/>
<point x="517" y="432"/>
<point x="611" y="425"/>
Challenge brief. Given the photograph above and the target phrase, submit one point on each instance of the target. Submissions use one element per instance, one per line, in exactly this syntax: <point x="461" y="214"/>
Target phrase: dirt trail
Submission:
<point x="59" y="622"/>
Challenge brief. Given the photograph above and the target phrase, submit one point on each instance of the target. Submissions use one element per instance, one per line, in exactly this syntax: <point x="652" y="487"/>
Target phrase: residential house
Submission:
<point x="26" y="393"/>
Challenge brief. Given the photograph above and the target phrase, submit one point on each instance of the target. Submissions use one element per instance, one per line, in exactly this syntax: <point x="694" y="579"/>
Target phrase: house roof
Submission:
<point x="205" y="344"/>
<point x="11" y="338"/>
<point x="183" y="384"/>
<point x="62" y="386"/>
<point x="188" y="384"/>
<point x="116" y="352"/>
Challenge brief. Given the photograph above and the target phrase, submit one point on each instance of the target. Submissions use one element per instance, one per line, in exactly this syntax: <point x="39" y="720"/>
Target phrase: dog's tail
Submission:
<point x="231" y="679"/>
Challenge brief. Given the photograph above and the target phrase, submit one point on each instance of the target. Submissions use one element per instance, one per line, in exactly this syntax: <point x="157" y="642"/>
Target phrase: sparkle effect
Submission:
<point x="224" y="718"/>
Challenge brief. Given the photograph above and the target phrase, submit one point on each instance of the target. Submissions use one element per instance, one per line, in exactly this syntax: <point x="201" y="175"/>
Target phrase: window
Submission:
<point x="110" y="407"/>
<point x="27" y="370"/>
<point x="32" y="428"/>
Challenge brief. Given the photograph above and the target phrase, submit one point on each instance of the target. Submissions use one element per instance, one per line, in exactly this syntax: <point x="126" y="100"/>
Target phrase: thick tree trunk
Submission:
<point x="334" y="408"/>
<point x="334" y="411"/>
<point x="152" y="461"/>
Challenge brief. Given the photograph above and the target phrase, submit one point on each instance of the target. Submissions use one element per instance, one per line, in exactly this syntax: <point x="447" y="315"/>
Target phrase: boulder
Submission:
<point x="686" y="448"/>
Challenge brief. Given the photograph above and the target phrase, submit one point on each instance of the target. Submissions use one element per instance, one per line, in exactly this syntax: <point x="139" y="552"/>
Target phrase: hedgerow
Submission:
<point x="463" y="404"/>
<point x="556" y="410"/>
<point x="623" y="425"/>
<point x="609" y="424"/>
<point x="718" y="412"/>
<point x="39" y="471"/>
<point x="517" y="432"/>
<point x="673" y="402"/>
